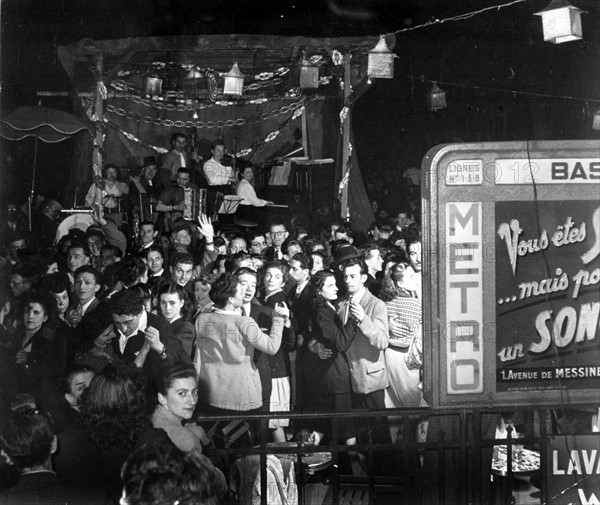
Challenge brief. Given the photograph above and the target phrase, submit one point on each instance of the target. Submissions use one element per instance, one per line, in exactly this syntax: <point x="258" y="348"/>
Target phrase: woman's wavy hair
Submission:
<point x="26" y="437"/>
<point x="282" y="266"/>
<point x="223" y="288"/>
<point x="48" y="303"/>
<point x="317" y="281"/>
<point x="169" y="372"/>
<point x="116" y="407"/>
<point x="176" y="289"/>
<point x="389" y="285"/>
<point x="159" y="474"/>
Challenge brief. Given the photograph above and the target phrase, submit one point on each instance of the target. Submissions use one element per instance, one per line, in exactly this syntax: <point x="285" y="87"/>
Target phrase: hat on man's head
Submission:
<point x="76" y="234"/>
<point x="181" y="224"/>
<point x="345" y="252"/>
<point x="149" y="161"/>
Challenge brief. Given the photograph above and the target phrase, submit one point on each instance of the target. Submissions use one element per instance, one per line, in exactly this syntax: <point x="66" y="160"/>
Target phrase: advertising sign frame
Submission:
<point x="485" y="207"/>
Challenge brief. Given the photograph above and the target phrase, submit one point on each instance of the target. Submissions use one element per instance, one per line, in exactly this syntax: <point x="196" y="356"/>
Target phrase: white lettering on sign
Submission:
<point x="464" y="298"/>
<point x="464" y="173"/>
<point x="547" y="171"/>
<point x="579" y="463"/>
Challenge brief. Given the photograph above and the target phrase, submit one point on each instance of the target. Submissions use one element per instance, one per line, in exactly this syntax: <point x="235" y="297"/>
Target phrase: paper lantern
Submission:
<point x="153" y="85"/>
<point x="193" y="83"/>
<point x="561" y="22"/>
<point x="309" y="74"/>
<point x="596" y="122"/>
<point x="234" y="81"/>
<point x="381" y="61"/>
<point x="436" y="98"/>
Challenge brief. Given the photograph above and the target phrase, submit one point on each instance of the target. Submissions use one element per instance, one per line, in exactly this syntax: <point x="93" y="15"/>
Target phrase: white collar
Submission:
<point x="300" y="287"/>
<point x="229" y="312"/>
<point x="86" y="305"/>
<point x="358" y="296"/>
<point x="274" y="293"/>
<point x="142" y="325"/>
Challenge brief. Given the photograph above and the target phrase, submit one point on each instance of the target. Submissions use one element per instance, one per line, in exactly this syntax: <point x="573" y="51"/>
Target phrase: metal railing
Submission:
<point x="452" y="465"/>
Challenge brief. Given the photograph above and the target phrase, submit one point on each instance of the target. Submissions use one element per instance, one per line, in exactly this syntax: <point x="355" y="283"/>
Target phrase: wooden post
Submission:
<point x="99" y="108"/>
<point x="344" y="211"/>
<point x="305" y="139"/>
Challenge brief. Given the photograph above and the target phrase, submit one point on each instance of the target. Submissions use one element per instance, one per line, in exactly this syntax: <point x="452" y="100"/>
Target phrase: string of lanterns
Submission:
<point x="561" y="22"/>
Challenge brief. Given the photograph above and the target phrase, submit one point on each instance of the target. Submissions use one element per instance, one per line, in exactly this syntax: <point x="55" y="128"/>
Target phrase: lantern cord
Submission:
<point x="561" y="390"/>
<point x="512" y="91"/>
<point x="460" y="17"/>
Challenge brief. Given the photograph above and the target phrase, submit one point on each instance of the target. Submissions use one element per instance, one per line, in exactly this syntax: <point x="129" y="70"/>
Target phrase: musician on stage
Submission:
<point x="107" y="191"/>
<point x="148" y="185"/>
<point x="218" y="176"/>
<point x="176" y="158"/>
<point x="250" y="205"/>
<point x="171" y="200"/>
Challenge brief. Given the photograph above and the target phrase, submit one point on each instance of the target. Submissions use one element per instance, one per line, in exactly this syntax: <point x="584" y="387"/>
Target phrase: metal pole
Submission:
<point x="30" y="199"/>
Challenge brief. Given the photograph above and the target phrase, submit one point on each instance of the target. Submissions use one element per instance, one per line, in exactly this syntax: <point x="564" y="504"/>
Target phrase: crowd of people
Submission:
<point x="123" y="341"/>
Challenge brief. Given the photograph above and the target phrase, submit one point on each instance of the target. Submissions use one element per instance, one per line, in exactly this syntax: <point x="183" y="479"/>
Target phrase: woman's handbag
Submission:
<point x="414" y="356"/>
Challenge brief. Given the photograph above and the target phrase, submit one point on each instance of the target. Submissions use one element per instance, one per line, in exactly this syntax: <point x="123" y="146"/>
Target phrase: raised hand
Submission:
<point x="205" y="227"/>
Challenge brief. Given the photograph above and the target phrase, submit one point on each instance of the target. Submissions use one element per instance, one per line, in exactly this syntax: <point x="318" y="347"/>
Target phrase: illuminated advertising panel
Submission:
<point x="511" y="277"/>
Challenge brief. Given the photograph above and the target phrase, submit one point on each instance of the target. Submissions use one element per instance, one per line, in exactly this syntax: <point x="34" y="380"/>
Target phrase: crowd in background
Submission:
<point x="123" y="341"/>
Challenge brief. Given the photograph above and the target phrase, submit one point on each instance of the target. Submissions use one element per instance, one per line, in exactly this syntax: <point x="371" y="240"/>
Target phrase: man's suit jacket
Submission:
<point x="270" y="254"/>
<point x="175" y="350"/>
<point x="75" y="335"/>
<point x="172" y="161"/>
<point x="302" y="308"/>
<point x="365" y="354"/>
<point x="93" y="306"/>
<point x="151" y="190"/>
<point x="263" y="316"/>
<point x="44" y="488"/>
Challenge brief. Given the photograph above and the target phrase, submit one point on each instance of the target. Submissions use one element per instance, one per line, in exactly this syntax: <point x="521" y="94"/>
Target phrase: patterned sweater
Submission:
<point x="407" y="316"/>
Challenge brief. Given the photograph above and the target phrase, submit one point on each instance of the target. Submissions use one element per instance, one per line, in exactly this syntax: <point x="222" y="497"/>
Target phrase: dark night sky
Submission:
<point x="482" y="59"/>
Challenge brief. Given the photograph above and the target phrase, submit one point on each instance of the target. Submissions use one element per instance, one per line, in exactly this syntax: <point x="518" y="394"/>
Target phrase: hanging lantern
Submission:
<point x="153" y="85"/>
<point x="309" y="74"/>
<point x="561" y="22"/>
<point x="193" y="84"/>
<point x="596" y="122"/>
<point x="436" y="98"/>
<point x="234" y="81"/>
<point x="381" y="61"/>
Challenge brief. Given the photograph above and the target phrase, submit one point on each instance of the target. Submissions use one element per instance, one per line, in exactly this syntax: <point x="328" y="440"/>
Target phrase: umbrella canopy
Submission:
<point x="49" y="125"/>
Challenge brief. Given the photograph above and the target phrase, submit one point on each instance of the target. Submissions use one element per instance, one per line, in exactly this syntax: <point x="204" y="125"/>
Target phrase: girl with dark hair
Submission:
<point x="276" y="276"/>
<point x="172" y="302"/>
<point x="202" y="301"/>
<point x="177" y="396"/>
<point x="95" y="350"/>
<point x="36" y="351"/>
<point x="145" y="293"/>
<point x="331" y="372"/>
<point x="116" y="419"/>
<point x="58" y="285"/>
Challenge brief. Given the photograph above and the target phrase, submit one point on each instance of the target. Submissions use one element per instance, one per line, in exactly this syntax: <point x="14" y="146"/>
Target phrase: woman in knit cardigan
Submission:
<point x="228" y="379"/>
